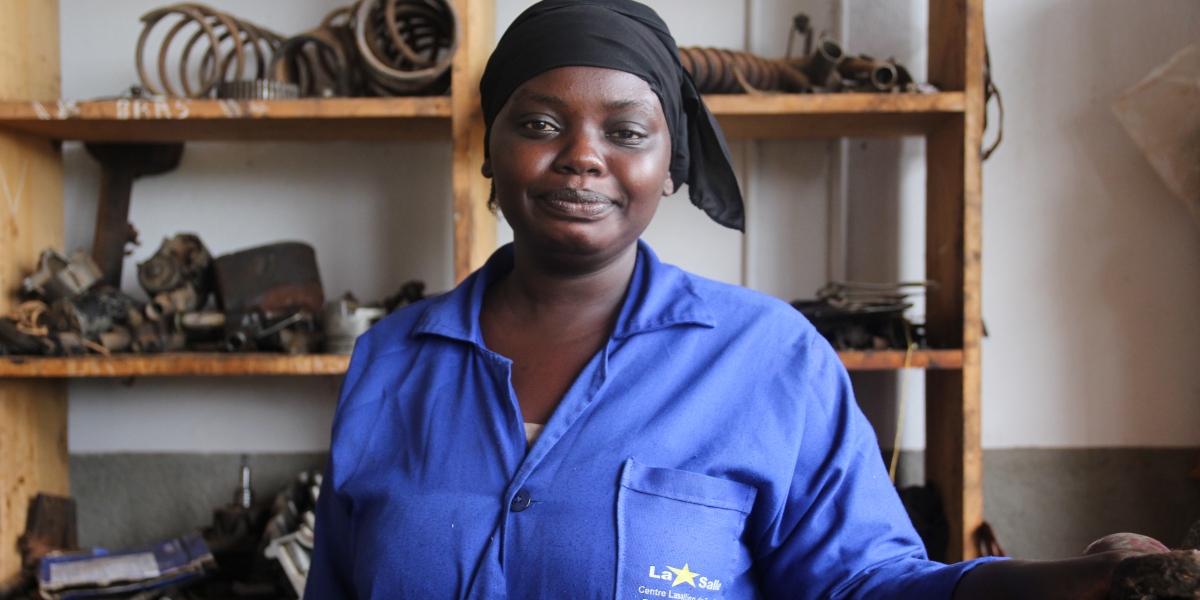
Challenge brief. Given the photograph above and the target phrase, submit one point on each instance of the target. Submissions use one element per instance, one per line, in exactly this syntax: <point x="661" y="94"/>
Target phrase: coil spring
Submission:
<point x="229" y="49"/>
<point x="718" y="71"/>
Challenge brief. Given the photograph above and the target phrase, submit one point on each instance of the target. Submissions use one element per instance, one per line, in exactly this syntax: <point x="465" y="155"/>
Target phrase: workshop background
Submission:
<point x="1091" y="394"/>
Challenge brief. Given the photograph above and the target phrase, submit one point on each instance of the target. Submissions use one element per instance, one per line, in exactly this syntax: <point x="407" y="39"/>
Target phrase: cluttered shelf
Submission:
<point x="180" y="120"/>
<point x="229" y="364"/>
<point x="428" y="117"/>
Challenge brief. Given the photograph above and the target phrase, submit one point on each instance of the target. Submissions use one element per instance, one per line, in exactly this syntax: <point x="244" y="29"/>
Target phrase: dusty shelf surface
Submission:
<point x="172" y="120"/>
<point x="219" y="364"/>
<point x="428" y="118"/>
<point x="173" y="364"/>
<point x="833" y="115"/>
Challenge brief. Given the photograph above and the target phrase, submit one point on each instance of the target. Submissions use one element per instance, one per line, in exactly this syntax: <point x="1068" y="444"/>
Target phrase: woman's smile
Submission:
<point x="578" y="205"/>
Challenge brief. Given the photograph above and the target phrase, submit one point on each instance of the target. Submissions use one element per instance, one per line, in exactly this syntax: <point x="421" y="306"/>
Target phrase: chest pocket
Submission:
<point x="678" y="532"/>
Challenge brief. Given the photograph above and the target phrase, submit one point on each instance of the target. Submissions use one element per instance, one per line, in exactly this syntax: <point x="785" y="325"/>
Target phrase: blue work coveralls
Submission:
<point x="711" y="450"/>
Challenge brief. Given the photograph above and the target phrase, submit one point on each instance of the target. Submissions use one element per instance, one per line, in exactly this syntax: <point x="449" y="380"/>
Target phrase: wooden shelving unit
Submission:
<point x="33" y="407"/>
<point x="223" y="365"/>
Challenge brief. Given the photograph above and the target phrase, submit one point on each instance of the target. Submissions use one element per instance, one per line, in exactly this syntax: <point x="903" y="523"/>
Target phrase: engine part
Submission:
<point x="117" y="339"/>
<point x="345" y="320"/>
<point x="248" y="332"/>
<point x="121" y="164"/>
<point x="90" y="314"/>
<point x="60" y="277"/>
<point x="229" y="50"/>
<point x="275" y="280"/>
<point x="182" y="262"/>
<point x="290" y="529"/>
<point x="13" y="340"/>
<point x="258" y="89"/>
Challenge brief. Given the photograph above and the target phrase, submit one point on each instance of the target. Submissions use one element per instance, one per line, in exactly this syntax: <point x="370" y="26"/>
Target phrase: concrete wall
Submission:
<point x="1090" y="266"/>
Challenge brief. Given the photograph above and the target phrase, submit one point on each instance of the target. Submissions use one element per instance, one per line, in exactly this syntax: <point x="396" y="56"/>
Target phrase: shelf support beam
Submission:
<point x="953" y="454"/>
<point x="33" y="414"/>
<point x="474" y="223"/>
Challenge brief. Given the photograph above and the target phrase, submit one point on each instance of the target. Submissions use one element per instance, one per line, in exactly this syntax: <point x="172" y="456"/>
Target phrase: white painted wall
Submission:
<point x="1090" y="267"/>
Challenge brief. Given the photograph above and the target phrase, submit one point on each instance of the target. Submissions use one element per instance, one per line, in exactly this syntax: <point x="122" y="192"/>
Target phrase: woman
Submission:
<point x="697" y="440"/>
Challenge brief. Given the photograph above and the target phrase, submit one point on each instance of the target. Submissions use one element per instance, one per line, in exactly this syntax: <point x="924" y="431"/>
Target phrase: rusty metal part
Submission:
<point x="91" y="313"/>
<point x="1165" y="575"/>
<point x="276" y="280"/>
<point x="228" y="50"/>
<point x="870" y="75"/>
<point x="823" y="63"/>
<point x="322" y="62"/>
<point x="345" y="320"/>
<point x="117" y="339"/>
<point x="13" y="340"/>
<point x="61" y="277"/>
<point x="718" y="71"/>
<point x="258" y="89"/>
<point x="253" y="331"/>
<point x="50" y="526"/>
<point x="182" y="269"/>
<point x="406" y="47"/>
<point x="121" y="164"/>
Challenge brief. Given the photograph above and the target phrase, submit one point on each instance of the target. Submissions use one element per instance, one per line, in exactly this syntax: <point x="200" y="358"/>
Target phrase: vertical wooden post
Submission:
<point x="474" y="224"/>
<point x="953" y="456"/>
<point x="33" y="414"/>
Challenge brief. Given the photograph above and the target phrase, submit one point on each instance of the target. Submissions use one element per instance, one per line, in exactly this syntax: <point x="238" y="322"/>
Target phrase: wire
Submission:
<point x="908" y="353"/>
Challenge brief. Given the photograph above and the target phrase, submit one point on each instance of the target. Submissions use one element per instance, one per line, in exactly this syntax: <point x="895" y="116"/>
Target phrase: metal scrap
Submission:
<point x="345" y="320"/>
<point x="823" y="68"/>
<point x="60" y="277"/>
<point x="865" y="316"/>
<point x="182" y="262"/>
<point x="290" y="530"/>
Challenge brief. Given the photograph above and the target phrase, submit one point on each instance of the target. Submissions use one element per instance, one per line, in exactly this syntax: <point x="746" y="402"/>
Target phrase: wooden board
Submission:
<point x="832" y="115"/>
<point x="889" y="360"/>
<point x="953" y="456"/>
<point x="215" y="364"/>
<point x="168" y="120"/>
<point x="33" y="414"/>
<point x="174" y="364"/>
<point x="474" y="223"/>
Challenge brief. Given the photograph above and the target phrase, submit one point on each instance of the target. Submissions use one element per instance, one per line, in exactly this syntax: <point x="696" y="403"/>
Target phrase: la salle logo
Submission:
<point x="685" y="575"/>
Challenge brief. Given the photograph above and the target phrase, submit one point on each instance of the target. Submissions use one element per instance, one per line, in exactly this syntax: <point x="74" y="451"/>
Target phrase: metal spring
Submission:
<point x="230" y="50"/>
<point x="322" y="62"/>
<point x="406" y="46"/>
<point x="718" y="71"/>
<point x="374" y="48"/>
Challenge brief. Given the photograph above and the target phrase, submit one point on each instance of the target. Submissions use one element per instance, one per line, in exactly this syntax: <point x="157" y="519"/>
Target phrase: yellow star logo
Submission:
<point x="684" y="575"/>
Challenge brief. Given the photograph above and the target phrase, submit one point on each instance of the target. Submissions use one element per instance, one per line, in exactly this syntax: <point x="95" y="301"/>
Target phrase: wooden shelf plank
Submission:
<point x="887" y="360"/>
<point x="309" y="119"/>
<point x="217" y="364"/>
<point x="428" y="118"/>
<point x="833" y="115"/>
<point x="174" y="364"/>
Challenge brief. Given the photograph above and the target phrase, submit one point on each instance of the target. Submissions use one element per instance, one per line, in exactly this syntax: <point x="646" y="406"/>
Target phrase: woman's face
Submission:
<point x="580" y="157"/>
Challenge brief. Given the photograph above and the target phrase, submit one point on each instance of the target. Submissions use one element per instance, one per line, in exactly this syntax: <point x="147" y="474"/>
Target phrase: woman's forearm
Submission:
<point x="1083" y="578"/>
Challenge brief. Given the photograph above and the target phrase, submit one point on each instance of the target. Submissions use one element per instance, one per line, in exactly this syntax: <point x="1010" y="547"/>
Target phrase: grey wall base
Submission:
<point x="132" y="499"/>
<point x="1043" y="503"/>
<point x="1052" y="503"/>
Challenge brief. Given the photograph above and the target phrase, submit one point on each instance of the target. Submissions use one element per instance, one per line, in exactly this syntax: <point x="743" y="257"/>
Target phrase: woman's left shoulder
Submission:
<point x="741" y="306"/>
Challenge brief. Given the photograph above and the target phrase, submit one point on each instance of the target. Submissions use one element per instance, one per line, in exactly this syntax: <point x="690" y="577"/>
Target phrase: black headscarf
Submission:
<point x="626" y="36"/>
